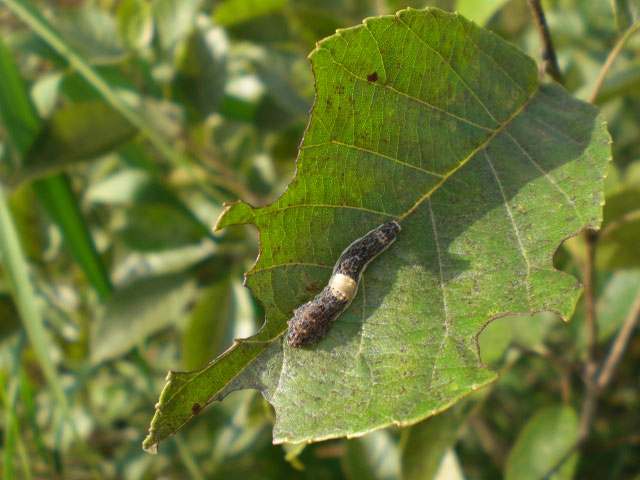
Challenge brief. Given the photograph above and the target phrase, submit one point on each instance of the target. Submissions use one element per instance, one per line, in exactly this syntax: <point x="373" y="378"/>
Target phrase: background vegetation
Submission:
<point x="124" y="127"/>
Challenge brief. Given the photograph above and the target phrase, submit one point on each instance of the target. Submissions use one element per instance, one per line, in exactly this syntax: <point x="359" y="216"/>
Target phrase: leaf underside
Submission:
<point x="426" y="118"/>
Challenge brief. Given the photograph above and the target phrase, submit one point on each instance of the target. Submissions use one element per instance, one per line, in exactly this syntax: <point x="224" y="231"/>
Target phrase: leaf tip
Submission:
<point x="150" y="443"/>
<point x="236" y="213"/>
<point x="149" y="446"/>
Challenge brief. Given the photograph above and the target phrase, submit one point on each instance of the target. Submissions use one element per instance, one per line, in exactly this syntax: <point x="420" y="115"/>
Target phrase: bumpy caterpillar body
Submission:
<point x="312" y="320"/>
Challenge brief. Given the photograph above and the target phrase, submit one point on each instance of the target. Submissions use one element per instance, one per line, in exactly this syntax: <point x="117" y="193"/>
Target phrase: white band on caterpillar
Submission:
<point x="343" y="286"/>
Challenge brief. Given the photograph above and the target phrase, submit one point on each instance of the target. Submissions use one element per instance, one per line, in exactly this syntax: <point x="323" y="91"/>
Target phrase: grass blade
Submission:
<point x="30" y="16"/>
<point x="57" y="197"/>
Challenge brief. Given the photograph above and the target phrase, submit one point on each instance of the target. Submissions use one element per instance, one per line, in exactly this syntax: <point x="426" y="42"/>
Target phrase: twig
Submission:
<point x="595" y="387"/>
<point x="619" y="345"/>
<point x="549" y="60"/>
<point x="590" y="365"/>
<point x="627" y="218"/>
<point x="492" y="445"/>
<point x="610" y="59"/>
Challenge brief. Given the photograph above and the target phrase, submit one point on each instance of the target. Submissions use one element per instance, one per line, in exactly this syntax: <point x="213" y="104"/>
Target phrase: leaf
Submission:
<point x="479" y="12"/>
<point x="620" y="83"/>
<point x="199" y="82"/>
<point x="58" y="199"/>
<point x="616" y="301"/>
<point x="374" y="456"/>
<point x="23" y="125"/>
<point x="93" y="31"/>
<point x="426" y="443"/>
<point x="613" y="304"/>
<point x="450" y="468"/>
<point x="619" y="247"/>
<point x="138" y="310"/>
<point x="623" y="15"/>
<point x="232" y="12"/>
<point x="431" y="120"/>
<point x="75" y="133"/>
<point x="135" y="22"/>
<point x="211" y="315"/>
<point x="543" y="442"/>
<point x="16" y="111"/>
<point x="174" y="20"/>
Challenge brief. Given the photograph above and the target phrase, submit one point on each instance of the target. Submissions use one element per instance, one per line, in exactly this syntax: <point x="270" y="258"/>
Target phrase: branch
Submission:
<point x="490" y="443"/>
<point x="610" y="59"/>
<point x="549" y="60"/>
<point x="595" y="388"/>
<point x="619" y="345"/>
<point x="591" y="365"/>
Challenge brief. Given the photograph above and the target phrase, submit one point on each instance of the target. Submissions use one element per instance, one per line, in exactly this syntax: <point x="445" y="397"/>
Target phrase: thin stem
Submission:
<point x="549" y="60"/>
<point x="595" y="387"/>
<point x="619" y="345"/>
<point x="591" y="365"/>
<point x="490" y="443"/>
<point x="610" y="59"/>
<point x="627" y="218"/>
<point x="590" y="304"/>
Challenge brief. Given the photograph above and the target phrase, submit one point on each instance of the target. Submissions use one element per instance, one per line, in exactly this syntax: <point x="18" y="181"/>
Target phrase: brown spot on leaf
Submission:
<point x="196" y="408"/>
<point x="372" y="77"/>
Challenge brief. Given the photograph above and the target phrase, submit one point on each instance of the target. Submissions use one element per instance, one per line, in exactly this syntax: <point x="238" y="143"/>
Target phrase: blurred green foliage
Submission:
<point x="117" y="277"/>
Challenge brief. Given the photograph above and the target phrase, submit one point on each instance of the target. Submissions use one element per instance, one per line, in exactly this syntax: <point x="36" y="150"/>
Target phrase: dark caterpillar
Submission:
<point x="312" y="320"/>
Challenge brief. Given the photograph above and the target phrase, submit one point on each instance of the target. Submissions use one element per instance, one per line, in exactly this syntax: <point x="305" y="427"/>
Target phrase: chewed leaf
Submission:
<point x="427" y="119"/>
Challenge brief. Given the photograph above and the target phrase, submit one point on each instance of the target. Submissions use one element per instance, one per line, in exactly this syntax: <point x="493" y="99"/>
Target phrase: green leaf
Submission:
<point x="213" y="315"/>
<point x="621" y="82"/>
<point x="21" y="119"/>
<point x="135" y="22"/>
<point x="623" y="15"/>
<point x="425" y="444"/>
<point x="543" y="442"/>
<point x="616" y="301"/>
<point x="59" y="200"/>
<point x="26" y="12"/>
<point x="374" y="456"/>
<point x="232" y="12"/>
<point x="613" y="305"/>
<point x="16" y="111"/>
<point x="91" y="30"/>
<point x="138" y="310"/>
<point x="619" y="246"/>
<point x="159" y="227"/>
<point x="479" y="12"/>
<point x="525" y="330"/>
<point x="428" y="119"/>
<point x="200" y="79"/>
<point x="75" y="133"/>
<point x="174" y="20"/>
<point x="15" y="267"/>
<point x="450" y="467"/>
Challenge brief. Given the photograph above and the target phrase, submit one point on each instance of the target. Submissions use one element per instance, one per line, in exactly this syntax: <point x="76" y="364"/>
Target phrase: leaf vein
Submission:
<point x="382" y="155"/>
<point x="455" y="72"/>
<point x="404" y="94"/>
<point x="318" y="205"/>
<point x="444" y="294"/>
<point x="515" y="228"/>
<point x="546" y="175"/>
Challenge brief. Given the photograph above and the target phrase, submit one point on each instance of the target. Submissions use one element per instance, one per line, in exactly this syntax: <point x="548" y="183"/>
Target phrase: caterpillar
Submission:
<point x="311" y="321"/>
